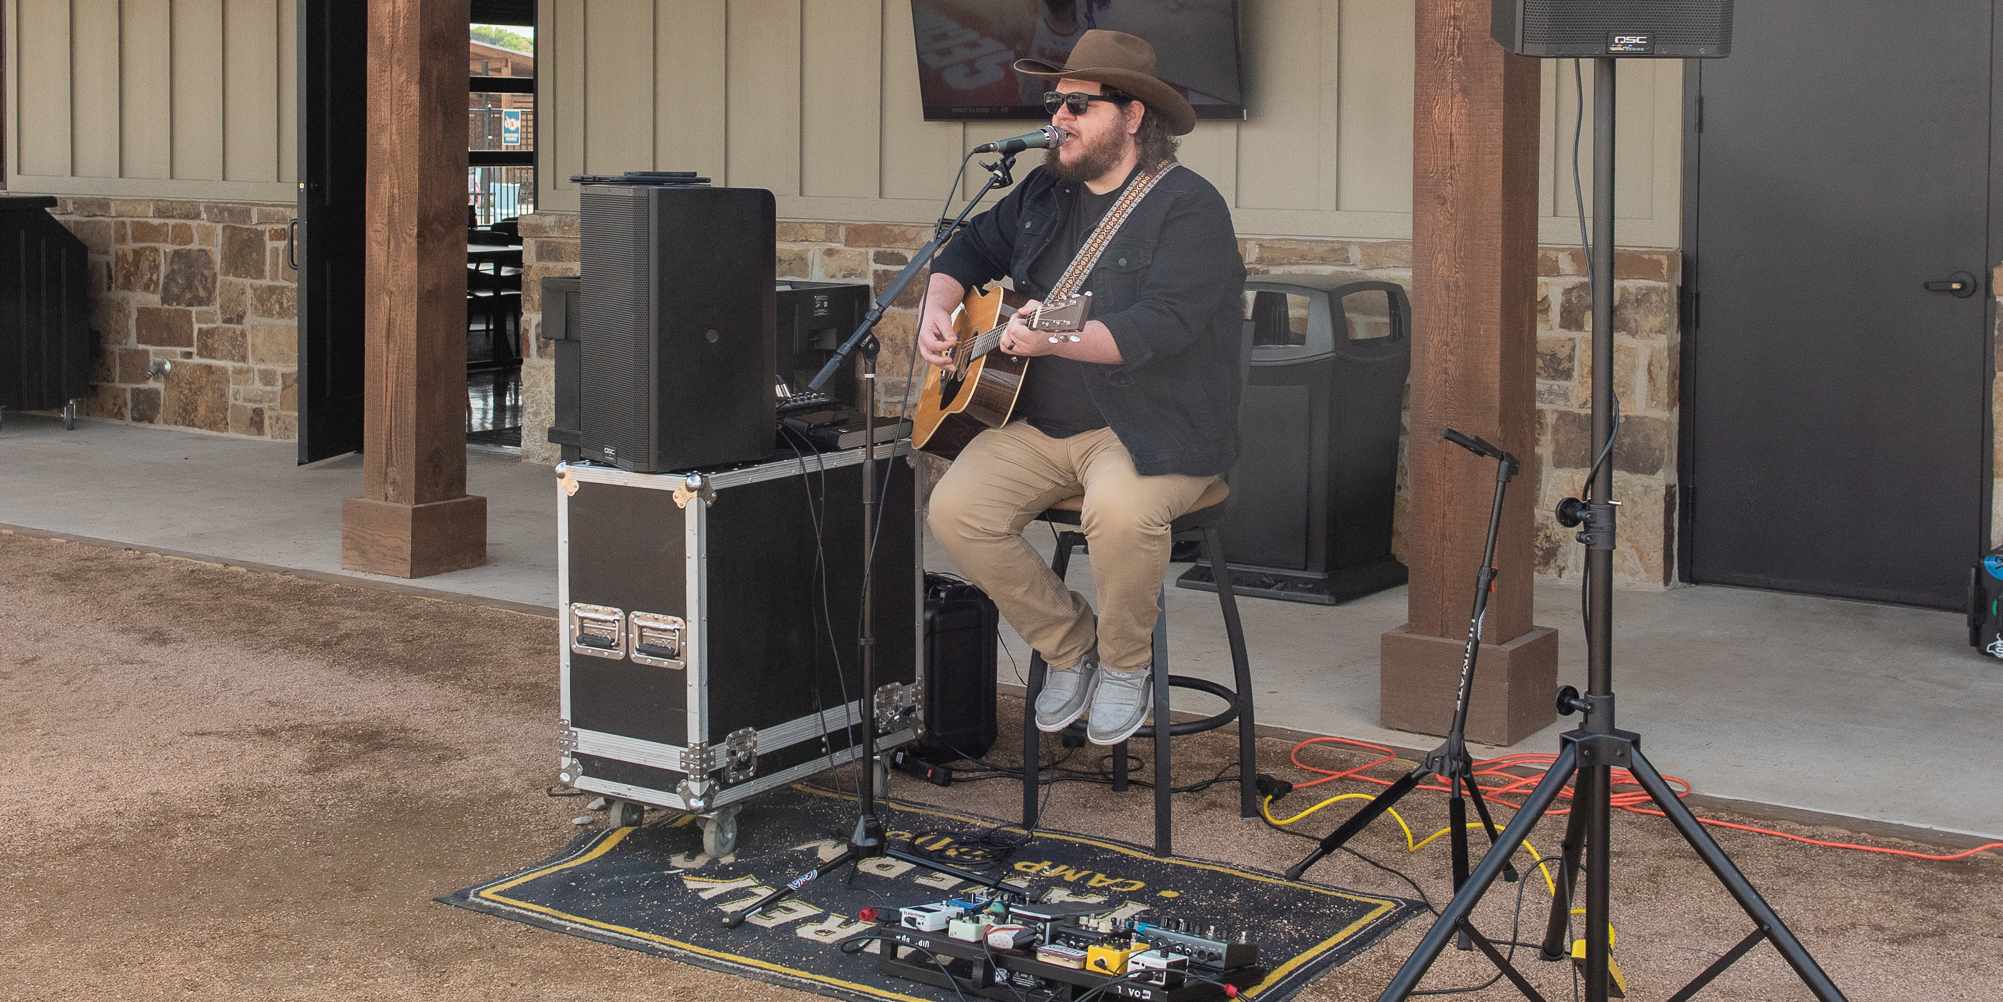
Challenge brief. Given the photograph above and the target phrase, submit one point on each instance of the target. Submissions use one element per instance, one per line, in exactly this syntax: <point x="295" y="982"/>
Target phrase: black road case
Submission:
<point x="702" y="662"/>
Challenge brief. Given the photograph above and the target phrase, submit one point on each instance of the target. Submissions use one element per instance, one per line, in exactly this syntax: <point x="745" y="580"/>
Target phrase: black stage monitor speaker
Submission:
<point x="677" y="310"/>
<point x="1668" y="29"/>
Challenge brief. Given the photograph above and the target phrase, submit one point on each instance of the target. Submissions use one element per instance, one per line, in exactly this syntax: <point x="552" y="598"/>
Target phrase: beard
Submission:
<point x="1095" y="157"/>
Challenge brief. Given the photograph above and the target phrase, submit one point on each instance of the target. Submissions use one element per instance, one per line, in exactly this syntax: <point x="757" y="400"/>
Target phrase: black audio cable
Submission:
<point x="815" y="512"/>
<point x="855" y="944"/>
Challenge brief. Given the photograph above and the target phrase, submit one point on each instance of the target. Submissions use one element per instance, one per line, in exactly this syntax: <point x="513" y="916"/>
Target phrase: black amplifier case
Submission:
<point x="697" y="662"/>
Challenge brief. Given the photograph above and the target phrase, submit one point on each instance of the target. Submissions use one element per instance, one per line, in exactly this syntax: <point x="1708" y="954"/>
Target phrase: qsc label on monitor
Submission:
<point x="1634" y="43"/>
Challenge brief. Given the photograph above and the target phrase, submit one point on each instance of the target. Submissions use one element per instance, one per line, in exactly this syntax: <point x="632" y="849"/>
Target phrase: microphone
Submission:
<point x="1042" y="138"/>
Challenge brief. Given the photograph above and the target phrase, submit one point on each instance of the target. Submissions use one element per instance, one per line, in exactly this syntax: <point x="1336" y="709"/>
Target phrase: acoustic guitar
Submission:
<point x="979" y="390"/>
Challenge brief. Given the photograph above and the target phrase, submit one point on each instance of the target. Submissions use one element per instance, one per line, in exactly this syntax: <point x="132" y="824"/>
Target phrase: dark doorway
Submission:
<point x="500" y="189"/>
<point x="1836" y="376"/>
<point x="328" y="241"/>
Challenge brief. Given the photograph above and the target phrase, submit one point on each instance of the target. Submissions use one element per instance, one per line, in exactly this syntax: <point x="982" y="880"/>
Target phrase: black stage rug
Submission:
<point x="651" y="888"/>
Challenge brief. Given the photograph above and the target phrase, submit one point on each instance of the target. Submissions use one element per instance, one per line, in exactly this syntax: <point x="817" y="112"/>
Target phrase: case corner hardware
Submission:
<point x="740" y="759"/>
<point x="658" y="639"/>
<point x="695" y="794"/>
<point x="570" y="771"/>
<point x="698" y="759"/>
<point x="691" y="489"/>
<point x="597" y="630"/>
<point x="894" y="703"/>
<point x="566" y="738"/>
<point x="566" y="479"/>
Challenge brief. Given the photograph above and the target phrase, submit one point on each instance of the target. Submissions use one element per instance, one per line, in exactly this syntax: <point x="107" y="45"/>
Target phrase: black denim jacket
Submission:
<point x="1170" y="287"/>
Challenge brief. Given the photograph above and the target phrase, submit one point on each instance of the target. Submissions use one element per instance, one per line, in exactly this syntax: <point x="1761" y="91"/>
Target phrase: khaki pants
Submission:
<point x="1006" y="477"/>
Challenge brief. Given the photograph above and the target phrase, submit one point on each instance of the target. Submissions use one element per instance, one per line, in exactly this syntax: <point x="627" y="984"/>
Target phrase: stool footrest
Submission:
<point x="1180" y="728"/>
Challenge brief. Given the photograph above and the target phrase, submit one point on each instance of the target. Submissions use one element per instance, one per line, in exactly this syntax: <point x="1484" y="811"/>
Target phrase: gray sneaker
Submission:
<point x="1066" y="692"/>
<point x="1120" y="705"/>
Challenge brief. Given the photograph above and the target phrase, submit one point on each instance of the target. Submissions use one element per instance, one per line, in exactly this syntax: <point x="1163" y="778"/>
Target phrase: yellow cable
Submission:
<point x="1412" y="844"/>
<point x="1338" y="798"/>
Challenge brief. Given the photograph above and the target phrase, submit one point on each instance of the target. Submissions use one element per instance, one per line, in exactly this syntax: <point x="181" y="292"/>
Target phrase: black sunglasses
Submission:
<point x="1078" y="102"/>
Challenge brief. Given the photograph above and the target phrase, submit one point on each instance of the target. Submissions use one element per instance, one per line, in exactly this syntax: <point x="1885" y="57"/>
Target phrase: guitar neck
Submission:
<point x="1067" y="315"/>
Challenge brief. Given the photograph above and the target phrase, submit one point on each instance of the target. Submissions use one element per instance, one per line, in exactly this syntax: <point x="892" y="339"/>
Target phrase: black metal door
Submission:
<point x="1837" y="368"/>
<point x="327" y="246"/>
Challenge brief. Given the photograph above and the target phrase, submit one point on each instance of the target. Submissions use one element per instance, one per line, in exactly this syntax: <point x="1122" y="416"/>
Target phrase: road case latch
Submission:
<point x="896" y="704"/>
<point x="740" y="755"/>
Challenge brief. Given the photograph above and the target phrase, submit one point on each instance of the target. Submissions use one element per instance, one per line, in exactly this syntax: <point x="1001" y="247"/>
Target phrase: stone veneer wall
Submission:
<point x="1646" y="344"/>
<point x="1645" y="322"/>
<point x="205" y="286"/>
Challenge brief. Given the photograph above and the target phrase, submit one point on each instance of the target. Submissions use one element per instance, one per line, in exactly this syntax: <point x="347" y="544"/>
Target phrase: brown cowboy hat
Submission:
<point x="1117" y="59"/>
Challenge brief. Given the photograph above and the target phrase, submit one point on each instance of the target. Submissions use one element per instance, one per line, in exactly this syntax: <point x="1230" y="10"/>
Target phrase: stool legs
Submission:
<point x="1241" y="669"/>
<point x="1164" y="828"/>
<point x="1032" y="745"/>
<point x="1234" y="629"/>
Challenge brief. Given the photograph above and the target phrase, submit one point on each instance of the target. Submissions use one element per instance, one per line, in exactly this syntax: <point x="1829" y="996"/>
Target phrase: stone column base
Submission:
<point x="1514" y="684"/>
<point x="413" y="541"/>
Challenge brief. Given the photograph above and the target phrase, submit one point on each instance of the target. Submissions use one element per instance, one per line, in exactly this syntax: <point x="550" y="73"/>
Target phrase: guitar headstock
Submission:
<point x="1067" y="314"/>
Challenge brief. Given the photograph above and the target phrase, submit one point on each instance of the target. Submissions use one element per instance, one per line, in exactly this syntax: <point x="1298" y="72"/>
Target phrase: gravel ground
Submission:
<point x="233" y="784"/>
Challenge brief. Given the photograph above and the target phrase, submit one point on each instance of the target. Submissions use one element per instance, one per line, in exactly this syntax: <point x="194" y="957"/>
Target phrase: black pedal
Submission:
<point x="1209" y="947"/>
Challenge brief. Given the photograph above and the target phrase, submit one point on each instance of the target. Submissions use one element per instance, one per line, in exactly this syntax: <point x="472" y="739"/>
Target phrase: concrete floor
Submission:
<point x="1849" y="708"/>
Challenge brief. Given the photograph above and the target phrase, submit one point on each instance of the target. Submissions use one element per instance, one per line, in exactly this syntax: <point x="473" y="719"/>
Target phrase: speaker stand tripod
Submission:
<point x="867" y="841"/>
<point x="1590" y="753"/>
<point x="1450" y="761"/>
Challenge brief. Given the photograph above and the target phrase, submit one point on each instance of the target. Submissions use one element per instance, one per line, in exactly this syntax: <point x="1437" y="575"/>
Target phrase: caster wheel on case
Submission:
<point x="624" y="814"/>
<point x="879" y="776"/>
<point x="70" y="416"/>
<point x="719" y="833"/>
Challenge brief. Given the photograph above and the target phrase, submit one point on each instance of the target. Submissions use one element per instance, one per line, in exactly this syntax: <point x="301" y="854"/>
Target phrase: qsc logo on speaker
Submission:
<point x="1630" y="43"/>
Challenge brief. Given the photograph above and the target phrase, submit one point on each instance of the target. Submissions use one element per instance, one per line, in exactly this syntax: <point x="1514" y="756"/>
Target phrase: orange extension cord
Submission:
<point x="1504" y="780"/>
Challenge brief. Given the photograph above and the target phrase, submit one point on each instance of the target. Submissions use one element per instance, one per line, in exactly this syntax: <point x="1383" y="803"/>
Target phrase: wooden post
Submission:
<point x="1474" y="279"/>
<point x="414" y="517"/>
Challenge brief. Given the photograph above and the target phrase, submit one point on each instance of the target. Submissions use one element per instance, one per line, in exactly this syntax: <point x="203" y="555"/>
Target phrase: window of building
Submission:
<point x="501" y="123"/>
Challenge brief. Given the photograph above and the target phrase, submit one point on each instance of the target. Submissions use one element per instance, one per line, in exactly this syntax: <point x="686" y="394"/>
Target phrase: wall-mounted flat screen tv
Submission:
<point x="967" y="50"/>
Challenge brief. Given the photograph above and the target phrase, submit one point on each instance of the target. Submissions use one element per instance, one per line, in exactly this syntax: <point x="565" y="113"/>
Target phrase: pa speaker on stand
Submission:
<point x="1603" y="31"/>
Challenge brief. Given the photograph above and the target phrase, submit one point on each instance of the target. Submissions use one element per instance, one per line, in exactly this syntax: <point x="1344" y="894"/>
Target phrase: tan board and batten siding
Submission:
<point x="814" y="99"/>
<point x="153" y="98"/>
<point x="818" y="101"/>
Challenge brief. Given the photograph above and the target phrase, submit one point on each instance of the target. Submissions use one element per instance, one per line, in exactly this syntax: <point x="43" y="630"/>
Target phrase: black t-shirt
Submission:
<point x="1054" y="397"/>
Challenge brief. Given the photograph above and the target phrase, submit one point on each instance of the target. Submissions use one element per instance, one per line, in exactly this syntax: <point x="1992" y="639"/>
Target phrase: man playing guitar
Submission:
<point x="1136" y="411"/>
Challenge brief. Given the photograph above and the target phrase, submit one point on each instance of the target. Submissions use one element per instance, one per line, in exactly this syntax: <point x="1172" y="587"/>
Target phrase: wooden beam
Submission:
<point x="414" y="516"/>
<point x="1474" y="280"/>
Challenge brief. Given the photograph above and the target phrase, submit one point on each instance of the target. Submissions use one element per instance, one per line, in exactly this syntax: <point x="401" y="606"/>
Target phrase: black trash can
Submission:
<point x="1317" y="478"/>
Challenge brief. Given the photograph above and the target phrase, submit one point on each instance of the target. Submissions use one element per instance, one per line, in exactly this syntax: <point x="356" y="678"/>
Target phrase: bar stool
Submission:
<point x="1203" y="523"/>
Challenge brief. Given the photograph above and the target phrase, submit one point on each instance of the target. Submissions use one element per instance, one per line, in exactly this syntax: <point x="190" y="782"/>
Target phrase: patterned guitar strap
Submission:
<point x="1095" y="245"/>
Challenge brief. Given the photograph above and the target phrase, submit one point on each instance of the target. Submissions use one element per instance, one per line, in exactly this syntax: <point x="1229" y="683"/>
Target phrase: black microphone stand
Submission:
<point x="867" y="840"/>
<point x="1588" y="754"/>
<point x="1450" y="761"/>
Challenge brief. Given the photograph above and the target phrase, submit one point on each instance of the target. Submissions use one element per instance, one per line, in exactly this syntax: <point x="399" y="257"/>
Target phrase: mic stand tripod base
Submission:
<point x="866" y="843"/>
<point x="1582" y="754"/>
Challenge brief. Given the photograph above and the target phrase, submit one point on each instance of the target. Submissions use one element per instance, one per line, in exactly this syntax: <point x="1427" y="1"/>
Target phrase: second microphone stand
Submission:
<point x="1450" y="761"/>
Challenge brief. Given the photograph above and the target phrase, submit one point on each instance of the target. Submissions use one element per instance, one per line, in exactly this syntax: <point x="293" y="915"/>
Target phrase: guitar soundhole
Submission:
<point x="948" y="389"/>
